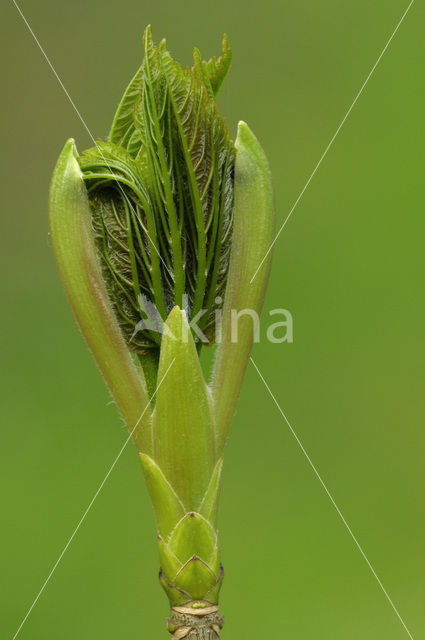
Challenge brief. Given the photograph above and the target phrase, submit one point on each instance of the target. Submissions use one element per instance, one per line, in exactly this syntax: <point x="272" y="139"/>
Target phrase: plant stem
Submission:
<point x="196" y="620"/>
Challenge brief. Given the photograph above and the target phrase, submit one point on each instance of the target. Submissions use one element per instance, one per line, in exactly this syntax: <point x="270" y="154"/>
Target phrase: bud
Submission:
<point x="161" y="196"/>
<point x="142" y="227"/>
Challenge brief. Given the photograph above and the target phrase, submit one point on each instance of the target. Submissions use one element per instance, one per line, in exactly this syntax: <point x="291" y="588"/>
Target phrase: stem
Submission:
<point x="196" y="620"/>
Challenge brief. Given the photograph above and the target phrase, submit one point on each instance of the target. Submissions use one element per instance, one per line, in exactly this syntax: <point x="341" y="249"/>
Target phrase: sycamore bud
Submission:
<point x="153" y="229"/>
<point x="161" y="196"/>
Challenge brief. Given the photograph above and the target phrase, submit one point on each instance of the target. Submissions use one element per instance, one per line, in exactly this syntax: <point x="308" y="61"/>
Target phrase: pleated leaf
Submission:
<point x="214" y="71"/>
<point x="123" y="130"/>
<point x="127" y="241"/>
<point x="161" y="193"/>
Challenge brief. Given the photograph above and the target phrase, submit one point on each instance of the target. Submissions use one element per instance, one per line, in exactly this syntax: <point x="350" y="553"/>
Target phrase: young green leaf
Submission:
<point x="127" y="242"/>
<point x="124" y="132"/>
<point x="161" y="194"/>
<point x="214" y="71"/>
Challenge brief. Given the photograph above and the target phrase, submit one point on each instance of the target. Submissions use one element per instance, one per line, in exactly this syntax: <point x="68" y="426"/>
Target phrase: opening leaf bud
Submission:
<point x="161" y="196"/>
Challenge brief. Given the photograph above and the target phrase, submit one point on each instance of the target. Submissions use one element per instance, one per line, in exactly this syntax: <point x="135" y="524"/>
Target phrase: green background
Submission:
<point x="349" y="266"/>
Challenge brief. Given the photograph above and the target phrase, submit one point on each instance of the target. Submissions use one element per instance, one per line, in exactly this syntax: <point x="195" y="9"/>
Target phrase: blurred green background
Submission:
<point x="349" y="266"/>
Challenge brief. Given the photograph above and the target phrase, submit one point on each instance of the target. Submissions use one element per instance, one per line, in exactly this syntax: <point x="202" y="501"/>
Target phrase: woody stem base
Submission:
<point x="196" y="620"/>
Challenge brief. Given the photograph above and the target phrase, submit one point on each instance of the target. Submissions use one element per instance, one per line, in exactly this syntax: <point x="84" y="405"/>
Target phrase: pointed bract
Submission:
<point x="74" y="247"/>
<point x="209" y="504"/>
<point x="193" y="535"/>
<point x="168" y="507"/>
<point x="183" y="430"/>
<point x="253" y="233"/>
